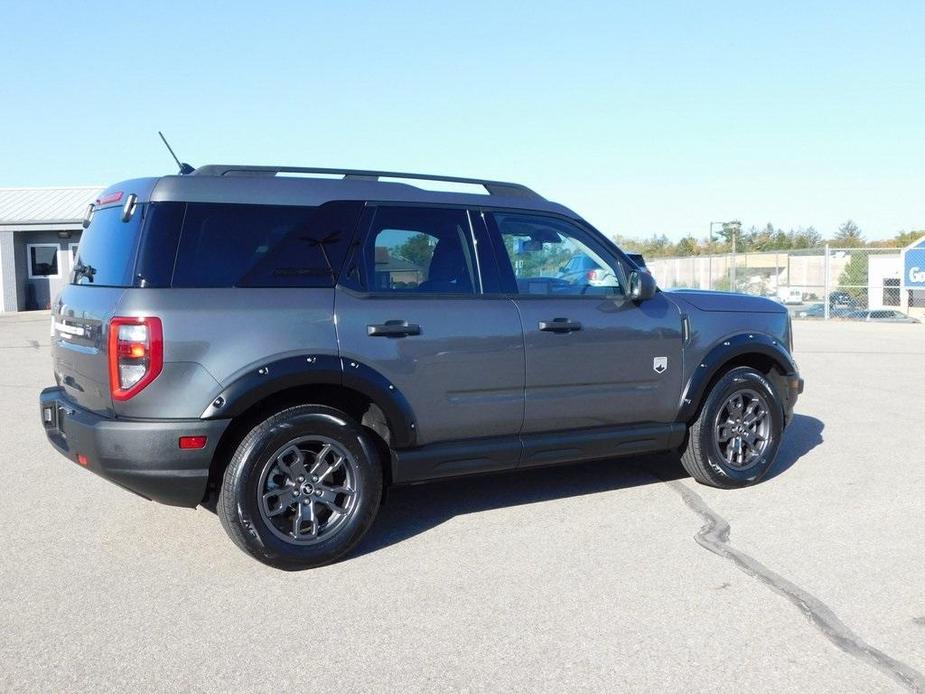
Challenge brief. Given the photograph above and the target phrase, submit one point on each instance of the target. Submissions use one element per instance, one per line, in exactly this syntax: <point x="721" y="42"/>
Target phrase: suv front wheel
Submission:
<point x="302" y="488"/>
<point x="734" y="440"/>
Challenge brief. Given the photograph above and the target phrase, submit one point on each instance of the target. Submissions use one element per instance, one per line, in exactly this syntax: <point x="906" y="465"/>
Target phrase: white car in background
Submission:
<point x="792" y="296"/>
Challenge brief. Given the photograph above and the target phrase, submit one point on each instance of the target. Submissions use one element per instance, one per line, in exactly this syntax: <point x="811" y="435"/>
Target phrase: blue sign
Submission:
<point x="914" y="266"/>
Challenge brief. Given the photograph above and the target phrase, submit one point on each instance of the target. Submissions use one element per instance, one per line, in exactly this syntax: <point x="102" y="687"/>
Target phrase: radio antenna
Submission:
<point x="184" y="167"/>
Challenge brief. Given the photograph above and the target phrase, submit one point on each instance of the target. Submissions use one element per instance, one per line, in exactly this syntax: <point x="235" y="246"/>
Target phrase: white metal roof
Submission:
<point x="22" y="206"/>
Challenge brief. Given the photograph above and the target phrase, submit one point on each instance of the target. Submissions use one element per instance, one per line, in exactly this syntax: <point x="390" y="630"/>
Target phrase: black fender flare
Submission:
<point x="276" y="376"/>
<point x="720" y="355"/>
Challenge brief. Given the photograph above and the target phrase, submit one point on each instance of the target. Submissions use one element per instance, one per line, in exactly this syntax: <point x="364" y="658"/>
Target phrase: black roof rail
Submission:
<point x="493" y="187"/>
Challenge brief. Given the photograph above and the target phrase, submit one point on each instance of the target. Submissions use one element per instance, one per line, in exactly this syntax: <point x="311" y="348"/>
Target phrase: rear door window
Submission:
<point x="232" y="245"/>
<point x="420" y="250"/>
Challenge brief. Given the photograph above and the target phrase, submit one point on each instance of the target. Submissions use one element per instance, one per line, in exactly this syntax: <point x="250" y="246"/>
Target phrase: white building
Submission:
<point x="39" y="231"/>
<point x="884" y="276"/>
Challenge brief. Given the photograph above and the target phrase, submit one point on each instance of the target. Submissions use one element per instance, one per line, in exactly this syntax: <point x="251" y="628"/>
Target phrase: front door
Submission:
<point x="593" y="356"/>
<point x="413" y="308"/>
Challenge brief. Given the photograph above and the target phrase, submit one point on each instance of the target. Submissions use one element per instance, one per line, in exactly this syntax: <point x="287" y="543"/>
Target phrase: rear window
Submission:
<point x="231" y="245"/>
<point x="106" y="254"/>
<point x="217" y="245"/>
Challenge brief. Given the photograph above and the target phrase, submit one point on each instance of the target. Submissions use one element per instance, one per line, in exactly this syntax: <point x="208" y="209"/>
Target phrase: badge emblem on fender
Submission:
<point x="660" y="364"/>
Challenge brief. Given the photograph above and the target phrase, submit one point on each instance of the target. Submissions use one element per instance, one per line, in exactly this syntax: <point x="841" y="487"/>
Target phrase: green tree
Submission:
<point x="805" y="238"/>
<point x="687" y="246"/>
<point x="904" y="238"/>
<point x="416" y="250"/>
<point x="780" y="241"/>
<point x="853" y="279"/>
<point x="656" y="246"/>
<point x="848" y="236"/>
<point x="725" y="232"/>
<point x="762" y="240"/>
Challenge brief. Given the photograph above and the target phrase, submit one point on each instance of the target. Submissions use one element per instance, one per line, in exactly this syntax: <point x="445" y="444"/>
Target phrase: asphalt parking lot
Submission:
<point x="613" y="576"/>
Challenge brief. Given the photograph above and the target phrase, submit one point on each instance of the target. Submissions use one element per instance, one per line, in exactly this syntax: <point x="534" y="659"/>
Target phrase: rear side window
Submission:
<point x="416" y="249"/>
<point x="231" y="245"/>
<point x="106" y="254"/>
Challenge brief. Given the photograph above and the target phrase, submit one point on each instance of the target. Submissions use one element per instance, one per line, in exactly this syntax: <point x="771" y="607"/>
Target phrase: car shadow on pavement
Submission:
<point x="802" y="436"/>
<point x="409" y="511"/>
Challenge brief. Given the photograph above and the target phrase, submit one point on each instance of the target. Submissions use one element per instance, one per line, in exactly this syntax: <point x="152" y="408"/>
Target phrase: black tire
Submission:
<point x="703" y="452"/>
<point x="243" y="505"/>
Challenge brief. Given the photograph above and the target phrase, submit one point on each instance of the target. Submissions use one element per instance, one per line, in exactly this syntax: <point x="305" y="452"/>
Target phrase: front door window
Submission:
<point x="549" y="258"/>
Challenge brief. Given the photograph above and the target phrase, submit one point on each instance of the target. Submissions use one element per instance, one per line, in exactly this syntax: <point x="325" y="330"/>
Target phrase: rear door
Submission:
<point x="103" y="268"/>
<point x="593" y="356"/>
<point x="412" y="307"/>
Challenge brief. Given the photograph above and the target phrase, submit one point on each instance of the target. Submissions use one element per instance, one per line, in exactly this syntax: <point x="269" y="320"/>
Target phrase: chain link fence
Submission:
<point x="817" y="283"/>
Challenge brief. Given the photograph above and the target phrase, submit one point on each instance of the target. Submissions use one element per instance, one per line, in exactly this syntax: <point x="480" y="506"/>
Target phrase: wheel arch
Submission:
<point x="347" y="385"/>
<point x="757" y="350"/>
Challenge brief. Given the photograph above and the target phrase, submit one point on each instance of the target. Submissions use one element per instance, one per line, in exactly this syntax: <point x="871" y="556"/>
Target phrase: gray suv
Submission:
<point x="285" y="347"/>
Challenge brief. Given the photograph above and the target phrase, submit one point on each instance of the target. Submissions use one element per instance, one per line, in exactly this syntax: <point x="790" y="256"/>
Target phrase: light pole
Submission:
<point x="710" y="257"/>
<point x="733" y="228"/>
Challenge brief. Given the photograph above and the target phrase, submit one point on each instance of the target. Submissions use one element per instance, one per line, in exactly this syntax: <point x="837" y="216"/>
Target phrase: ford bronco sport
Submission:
<point x="286" y="345"/>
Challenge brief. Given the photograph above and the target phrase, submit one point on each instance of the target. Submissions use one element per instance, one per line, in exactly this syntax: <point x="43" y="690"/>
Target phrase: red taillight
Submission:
<point x="193" y="442"/>
<point x="136" y="355"/>
<point x="82" y="459"/>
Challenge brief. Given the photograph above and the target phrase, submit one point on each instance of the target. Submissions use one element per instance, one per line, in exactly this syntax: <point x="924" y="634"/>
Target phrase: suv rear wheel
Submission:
<point x="734" y="440"/>
<point x="302" y="488"/>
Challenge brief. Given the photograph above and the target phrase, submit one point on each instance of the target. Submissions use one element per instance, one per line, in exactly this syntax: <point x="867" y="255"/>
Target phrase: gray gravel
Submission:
<point x="596" y="577"/>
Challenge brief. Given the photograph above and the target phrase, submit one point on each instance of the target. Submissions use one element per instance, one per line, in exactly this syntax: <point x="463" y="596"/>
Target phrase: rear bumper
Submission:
<point x="141" y="456"/>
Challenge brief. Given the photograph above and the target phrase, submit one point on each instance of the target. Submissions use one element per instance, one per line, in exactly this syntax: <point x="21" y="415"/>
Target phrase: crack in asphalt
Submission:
<point x="714" y="536"/>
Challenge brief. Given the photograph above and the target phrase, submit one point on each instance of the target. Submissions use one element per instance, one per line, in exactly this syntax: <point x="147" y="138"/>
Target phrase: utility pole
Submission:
<point x="710" y="257"/>
<point x="733" y="228"/>
<point x="733" y="283"/>
<point x="825" y="290"/>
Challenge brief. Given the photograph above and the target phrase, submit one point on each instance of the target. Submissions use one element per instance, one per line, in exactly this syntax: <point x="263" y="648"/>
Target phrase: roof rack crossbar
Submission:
<point x="493" y="187"/>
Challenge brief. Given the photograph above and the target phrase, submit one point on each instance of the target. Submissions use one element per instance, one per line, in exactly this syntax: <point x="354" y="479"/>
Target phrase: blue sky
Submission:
<point x="648" y="117"/>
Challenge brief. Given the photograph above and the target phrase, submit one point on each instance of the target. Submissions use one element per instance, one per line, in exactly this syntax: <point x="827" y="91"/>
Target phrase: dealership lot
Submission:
<point x="588" y="577"/>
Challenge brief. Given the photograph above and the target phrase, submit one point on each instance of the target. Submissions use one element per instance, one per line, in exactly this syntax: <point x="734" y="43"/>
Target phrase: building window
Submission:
<point x="43" y="260"/>
<point x="891" y="292"/>
<point x="72" y="248"/>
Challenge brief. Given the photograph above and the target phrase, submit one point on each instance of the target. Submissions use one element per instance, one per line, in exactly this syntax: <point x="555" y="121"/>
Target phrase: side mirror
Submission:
<point x="642" y="286"/>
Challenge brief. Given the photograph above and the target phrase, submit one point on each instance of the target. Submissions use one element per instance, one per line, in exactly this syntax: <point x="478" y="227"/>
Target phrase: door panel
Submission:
<point x="603" y="373"/>
<point x="463" y="373"/>
<point x="593" y="357"/>
<point x="417" y="315"/>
